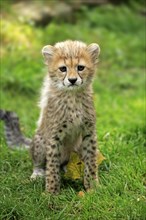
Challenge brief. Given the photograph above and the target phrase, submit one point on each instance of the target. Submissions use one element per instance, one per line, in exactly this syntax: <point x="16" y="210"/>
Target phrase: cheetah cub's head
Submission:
<point x="71" y="64"/>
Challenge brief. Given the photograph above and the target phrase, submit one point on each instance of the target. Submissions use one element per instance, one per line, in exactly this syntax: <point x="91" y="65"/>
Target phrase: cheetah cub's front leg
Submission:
<point x="46" y="159"/>
<point x="89" y="156"/>
<point x="53" y="167"/>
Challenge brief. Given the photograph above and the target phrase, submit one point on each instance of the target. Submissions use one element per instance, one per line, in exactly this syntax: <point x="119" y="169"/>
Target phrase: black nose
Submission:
<point x="72" y="80"/>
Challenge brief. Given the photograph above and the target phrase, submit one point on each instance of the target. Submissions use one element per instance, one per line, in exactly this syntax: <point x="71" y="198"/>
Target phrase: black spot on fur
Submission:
<point x="92" y="142"/>
<point x="91" y="152"/>
<point x="57" y="138"/>
<point x="93" y="173"/>
<point x="88" y="135"/>
<point x="53" y="146"/>
<point x="57" y="166"/>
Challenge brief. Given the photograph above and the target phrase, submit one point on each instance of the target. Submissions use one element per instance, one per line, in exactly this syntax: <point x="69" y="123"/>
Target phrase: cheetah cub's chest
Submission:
<point x="74" y="122"/>
<point x="74" y="114"/>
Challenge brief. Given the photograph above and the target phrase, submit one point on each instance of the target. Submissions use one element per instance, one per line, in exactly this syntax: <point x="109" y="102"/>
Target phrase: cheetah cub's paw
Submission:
<point x="37" y="173"/>
<point x="94" y="184"/>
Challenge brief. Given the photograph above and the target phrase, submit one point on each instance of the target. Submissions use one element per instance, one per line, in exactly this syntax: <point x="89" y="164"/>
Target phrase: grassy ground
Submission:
<point x="119" y="102"/>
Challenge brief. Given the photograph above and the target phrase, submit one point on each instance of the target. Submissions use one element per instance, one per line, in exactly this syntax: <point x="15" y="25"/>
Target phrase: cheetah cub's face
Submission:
<point x="71" y="64"/>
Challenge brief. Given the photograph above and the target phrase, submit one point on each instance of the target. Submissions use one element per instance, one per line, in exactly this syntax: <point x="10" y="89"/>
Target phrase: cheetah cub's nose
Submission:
<point x="72" y="80"/>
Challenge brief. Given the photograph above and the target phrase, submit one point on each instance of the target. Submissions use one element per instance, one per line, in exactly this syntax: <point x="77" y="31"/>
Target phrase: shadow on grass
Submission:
<point x="76" y="185"/>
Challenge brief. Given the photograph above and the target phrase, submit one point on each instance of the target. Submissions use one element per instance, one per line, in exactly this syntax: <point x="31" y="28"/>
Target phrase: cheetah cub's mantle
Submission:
<point x="67" y="119"/>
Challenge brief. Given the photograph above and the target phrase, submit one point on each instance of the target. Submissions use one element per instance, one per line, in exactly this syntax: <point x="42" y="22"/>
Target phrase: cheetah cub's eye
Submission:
<point x="80" y="68"/>
<point x="63" y="68"/>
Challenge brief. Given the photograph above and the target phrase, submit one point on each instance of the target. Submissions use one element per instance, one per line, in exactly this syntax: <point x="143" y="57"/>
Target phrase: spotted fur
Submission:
<point x="67" y="118"/>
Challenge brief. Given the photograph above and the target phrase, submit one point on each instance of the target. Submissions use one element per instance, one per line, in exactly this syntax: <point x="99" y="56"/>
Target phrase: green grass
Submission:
<point x="119" y="102"/>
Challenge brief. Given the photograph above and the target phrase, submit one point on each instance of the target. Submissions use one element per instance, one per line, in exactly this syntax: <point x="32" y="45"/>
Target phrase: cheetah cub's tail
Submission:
<point x="13" y="134"/>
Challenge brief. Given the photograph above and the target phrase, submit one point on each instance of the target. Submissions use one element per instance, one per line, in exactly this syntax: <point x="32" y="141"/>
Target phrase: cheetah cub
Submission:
<point x="67" y="119"/>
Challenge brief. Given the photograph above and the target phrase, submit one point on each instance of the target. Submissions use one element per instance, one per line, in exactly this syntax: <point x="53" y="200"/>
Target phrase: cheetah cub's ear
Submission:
<point x="47" y="52"/>
<point x="94" y="51"/>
